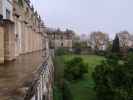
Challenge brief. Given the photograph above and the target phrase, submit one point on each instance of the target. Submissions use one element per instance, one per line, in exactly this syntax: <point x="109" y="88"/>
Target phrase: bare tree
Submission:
<point x="99" y="40"/>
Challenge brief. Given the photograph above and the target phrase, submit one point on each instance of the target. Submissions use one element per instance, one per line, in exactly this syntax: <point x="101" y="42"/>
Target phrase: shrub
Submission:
<point x="114" y="79"/>
<point x="75" y="69"/>
<point x="77" y="48"/>
<point x="66" y="91"/>
<point x="130" y="50"/>
<point x="61" y="51"/>
<point x="57" y="93"/>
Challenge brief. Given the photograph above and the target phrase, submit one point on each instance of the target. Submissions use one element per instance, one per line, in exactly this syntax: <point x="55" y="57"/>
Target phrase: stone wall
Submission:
<point x="67" y="43"/>
<point x="9" y="41"/>
<point x="31" y="40"/>
<point x="61" y="39"/>
<point x="1" y="45"/>
<point x="22" y="34"/>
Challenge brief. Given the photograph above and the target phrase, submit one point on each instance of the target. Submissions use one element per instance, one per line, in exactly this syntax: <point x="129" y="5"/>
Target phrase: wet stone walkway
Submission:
<point x="16" y="75"/>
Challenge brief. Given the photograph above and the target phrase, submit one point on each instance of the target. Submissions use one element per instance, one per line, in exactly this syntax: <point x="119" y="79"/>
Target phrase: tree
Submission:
<point x="76" y="44"/>
<point x="61" y="51"/>
<point x="66" y="91"/>
<point x="116" y="45"/>
<point x="114" y="79"/>
<point x="99" y="41"/>
<point x="69" y="31"/>
<point x="77" y="47"/>
<point x="75" y="69"/>
<point x="21" y="3"/>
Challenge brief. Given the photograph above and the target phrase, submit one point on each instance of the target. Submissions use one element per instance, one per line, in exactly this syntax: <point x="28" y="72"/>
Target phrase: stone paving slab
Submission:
<point x="15" y="75"/>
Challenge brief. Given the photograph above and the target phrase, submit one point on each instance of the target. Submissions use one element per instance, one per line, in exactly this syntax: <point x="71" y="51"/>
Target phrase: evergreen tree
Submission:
<point x="116" y="45"/>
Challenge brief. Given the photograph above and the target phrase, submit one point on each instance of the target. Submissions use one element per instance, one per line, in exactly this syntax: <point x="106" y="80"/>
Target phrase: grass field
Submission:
<point x="81" y="89"/>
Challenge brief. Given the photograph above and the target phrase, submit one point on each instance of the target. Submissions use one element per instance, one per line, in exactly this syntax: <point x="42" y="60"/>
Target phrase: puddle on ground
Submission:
<point x="13" y="75"/>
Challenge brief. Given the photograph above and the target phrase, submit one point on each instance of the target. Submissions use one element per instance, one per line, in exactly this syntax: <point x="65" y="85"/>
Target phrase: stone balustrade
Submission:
<point x="41" y="86"/>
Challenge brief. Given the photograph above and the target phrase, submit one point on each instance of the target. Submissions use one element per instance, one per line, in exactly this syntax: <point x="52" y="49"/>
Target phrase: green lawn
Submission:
<point x="82" y="89"/>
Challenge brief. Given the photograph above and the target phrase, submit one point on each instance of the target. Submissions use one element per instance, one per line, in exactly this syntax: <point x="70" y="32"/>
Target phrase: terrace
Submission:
<point x="17" y="75"/>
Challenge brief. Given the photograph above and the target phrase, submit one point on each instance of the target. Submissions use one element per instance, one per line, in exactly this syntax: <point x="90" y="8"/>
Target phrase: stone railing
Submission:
<point x="41" y="86"/>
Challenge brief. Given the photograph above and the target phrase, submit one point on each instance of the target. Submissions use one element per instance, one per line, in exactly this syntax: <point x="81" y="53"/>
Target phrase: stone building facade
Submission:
<point x="125" y="41"/>
<point x="21" y="32"/>
<point x="58" y="38"/>
<point x="6" y="9"/>
<point x="22" y="28"/>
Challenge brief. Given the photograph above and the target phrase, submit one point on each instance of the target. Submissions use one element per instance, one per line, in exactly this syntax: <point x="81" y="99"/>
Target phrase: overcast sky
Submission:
<point x="85" y="16"/>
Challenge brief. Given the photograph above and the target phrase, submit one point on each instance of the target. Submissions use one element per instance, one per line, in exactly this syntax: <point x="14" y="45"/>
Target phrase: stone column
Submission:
<point x="1" y="45"/>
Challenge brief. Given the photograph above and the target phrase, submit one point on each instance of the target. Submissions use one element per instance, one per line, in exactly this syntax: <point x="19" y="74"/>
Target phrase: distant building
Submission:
<point x="125" y="40"/>
<point x="98" y="41"/>
<point x="58" y="38"/>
